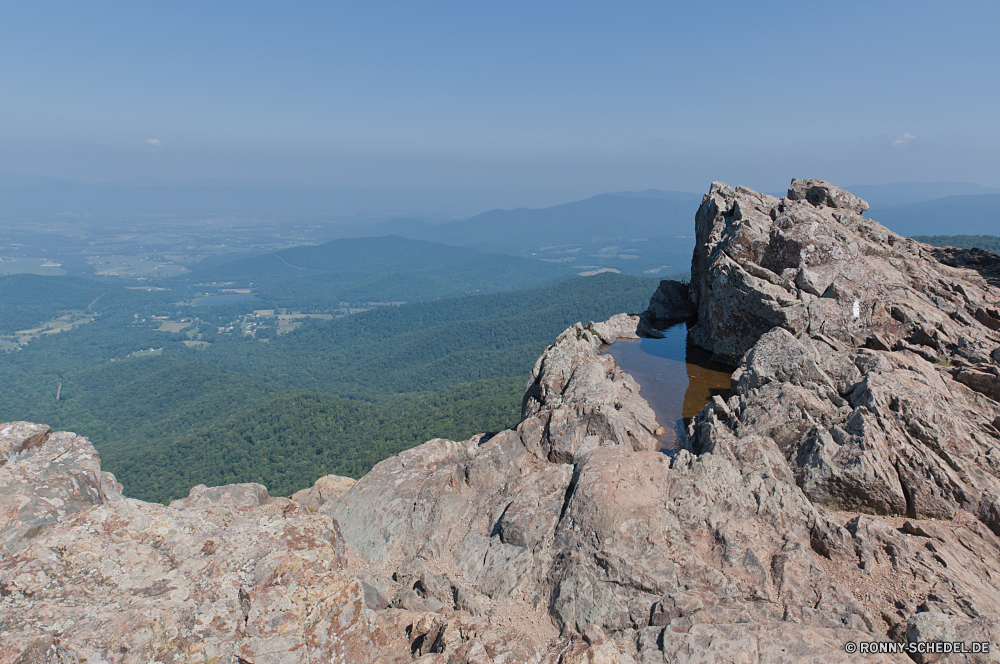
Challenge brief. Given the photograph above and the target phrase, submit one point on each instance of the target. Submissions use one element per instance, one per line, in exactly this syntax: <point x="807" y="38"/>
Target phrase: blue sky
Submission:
<point x="578" y="97"/>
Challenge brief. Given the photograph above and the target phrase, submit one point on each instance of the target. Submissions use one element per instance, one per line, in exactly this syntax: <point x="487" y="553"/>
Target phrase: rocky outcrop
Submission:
<point x="565" y="528"/>
<point x="848" y="491"/>
<point x="845" y="492"/>
<point x="670" y="302"/>
<point x="323" y="491"/>
<point x="892" y="413"/>
<point x="471" y="527"/>
<point x="88" y="575"/>
<point x="811" y="263"/>
<point x="905" y="426"/>
<point x="39" y="488"/>
<point x="986" y="263"/>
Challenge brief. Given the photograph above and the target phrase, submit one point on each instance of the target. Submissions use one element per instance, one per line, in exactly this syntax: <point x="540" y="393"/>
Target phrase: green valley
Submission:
<point x="176" y="394"/>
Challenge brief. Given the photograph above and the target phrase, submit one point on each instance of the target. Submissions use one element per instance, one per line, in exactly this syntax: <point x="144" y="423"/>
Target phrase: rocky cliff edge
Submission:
<point x="846" y="492"/>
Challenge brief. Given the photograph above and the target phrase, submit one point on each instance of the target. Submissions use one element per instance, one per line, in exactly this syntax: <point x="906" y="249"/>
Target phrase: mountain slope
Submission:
<point x="608" y="216"/>
<point x="460" y="269"/>
<point x="140" y="407"/>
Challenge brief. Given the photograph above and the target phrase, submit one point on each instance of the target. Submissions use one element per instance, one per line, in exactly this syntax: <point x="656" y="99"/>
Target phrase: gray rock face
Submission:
<point x="778" y="357"/>
<point x="986" y="263"/>
<point x="907" y="427"/>
<point x="45" y="477"/>
<point x="908" y="432"/>
<point x="933" y="626"/>
<point x="811" y="263"/>
<point x="671" y="301"/>
<point x="88" y="575"/>
<point x="824" y="194"/>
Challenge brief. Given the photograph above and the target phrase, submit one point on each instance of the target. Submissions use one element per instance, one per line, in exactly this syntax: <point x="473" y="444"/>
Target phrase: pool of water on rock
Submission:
<point x="677" y="378"/>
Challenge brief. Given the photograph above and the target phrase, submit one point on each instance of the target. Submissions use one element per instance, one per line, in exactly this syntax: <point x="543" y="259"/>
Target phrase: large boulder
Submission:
<point x="45" y="477"/>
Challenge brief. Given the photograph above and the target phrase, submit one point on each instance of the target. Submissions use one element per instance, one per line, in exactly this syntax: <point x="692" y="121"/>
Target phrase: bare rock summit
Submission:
<point x="810" y="262"/>
<point x="87" y="575"/>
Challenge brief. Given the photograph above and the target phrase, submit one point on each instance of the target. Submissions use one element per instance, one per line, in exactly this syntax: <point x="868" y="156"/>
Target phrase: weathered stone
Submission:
<point x="810" y="263"/>
<point x="932" y="626"/>
<point x="986" y="263"/>
<point x="127" y="581"/>
<point x="44" y="478"/>
<point x="323" y="491"/>
<point x="824" y="194"/>
<point x="986" y="381"/>
<point x="671" y="301"/>
<point x="19" y="437"/>
<point x="777" y="357"/>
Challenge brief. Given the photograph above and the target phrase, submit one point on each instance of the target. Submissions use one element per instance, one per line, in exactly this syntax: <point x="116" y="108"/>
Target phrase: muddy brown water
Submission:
<point x="676" y="377"/>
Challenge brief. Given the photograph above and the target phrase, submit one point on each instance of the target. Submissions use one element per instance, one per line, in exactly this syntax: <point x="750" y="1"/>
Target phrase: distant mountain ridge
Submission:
<point x="641" y="233"/>
<point x="633" y="232"/>
<point x="39" y="196"/>
<point x="952" y="215"/>
<point x="599" y="229"/>
<point x="611" y="216"/>
<point x="901" y="193"/>
<point x="390" y="268"/>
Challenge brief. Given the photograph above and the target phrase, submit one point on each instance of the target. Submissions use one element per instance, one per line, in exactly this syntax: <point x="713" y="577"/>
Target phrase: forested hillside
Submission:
<point x="446" y="270"/>
<point x="166" y="391"/>
<point x="27" y="300"/>
<point x="287" y="441"/>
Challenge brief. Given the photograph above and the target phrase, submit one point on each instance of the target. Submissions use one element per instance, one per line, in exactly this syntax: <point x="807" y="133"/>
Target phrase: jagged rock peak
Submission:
<point x="821" y="193"/>
<point x="810" y="262"/>
<point x="869" y="367"/>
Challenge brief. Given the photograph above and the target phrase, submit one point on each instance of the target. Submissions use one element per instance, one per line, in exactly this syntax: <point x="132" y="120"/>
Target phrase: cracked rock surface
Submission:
<point x="87" y="575"/>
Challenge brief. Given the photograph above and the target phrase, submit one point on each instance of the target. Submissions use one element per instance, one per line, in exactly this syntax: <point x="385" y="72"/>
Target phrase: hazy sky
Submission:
<point x="580" y="96"/>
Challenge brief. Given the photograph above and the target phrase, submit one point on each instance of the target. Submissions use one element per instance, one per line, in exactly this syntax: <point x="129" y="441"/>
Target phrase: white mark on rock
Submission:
<point x="856" y="309"/>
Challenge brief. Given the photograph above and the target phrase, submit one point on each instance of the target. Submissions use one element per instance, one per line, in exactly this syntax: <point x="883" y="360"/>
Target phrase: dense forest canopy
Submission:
<point x="389" y="255"/>
<point x="174" y="394"/>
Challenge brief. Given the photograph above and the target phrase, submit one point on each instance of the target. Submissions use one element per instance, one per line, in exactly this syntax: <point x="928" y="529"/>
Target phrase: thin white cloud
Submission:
<point x="156" y="142"/>
<point x="898" y="142"/>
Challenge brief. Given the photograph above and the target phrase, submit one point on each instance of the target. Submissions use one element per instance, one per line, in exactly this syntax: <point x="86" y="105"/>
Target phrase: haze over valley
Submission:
<point x="157" y="317"/>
